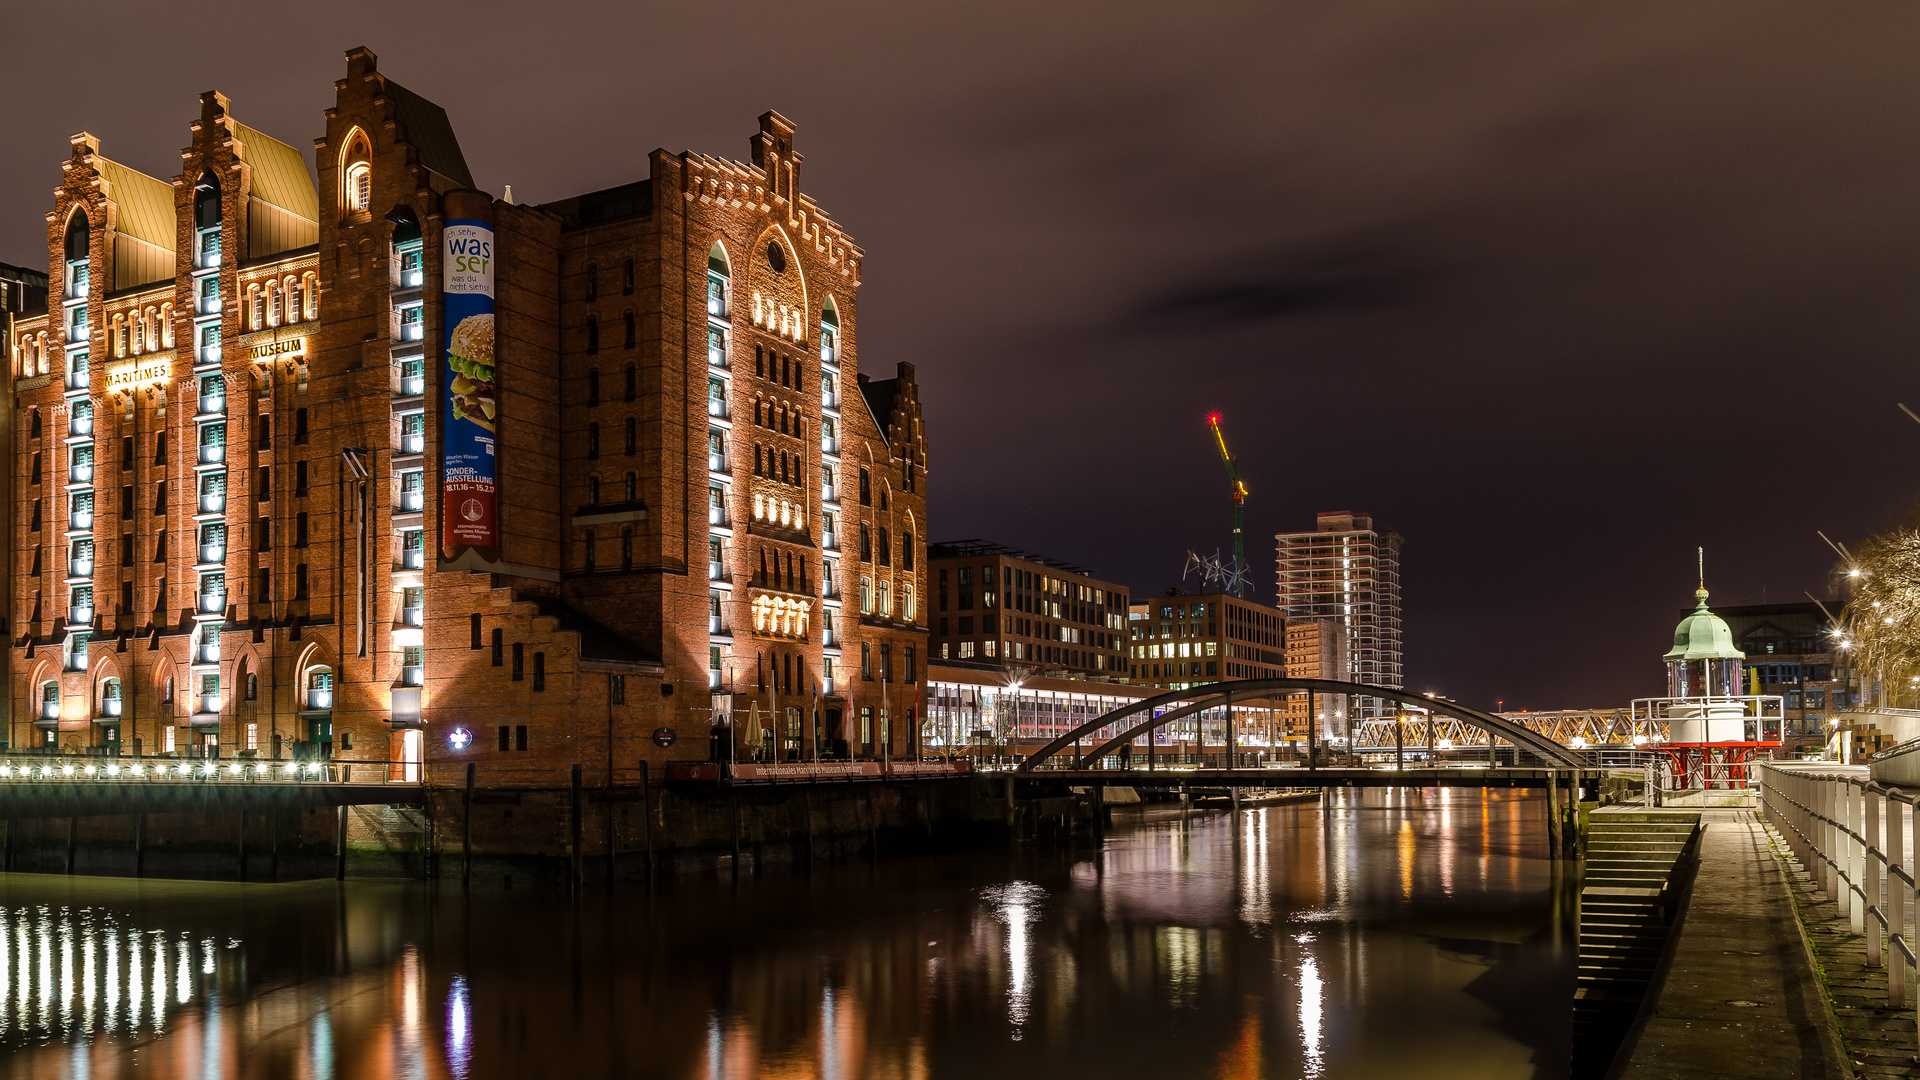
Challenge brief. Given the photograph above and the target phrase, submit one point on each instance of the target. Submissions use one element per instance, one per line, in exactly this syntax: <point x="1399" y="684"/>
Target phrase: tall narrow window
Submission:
<point x="519" y="662"/>
<point x="630" y="329"/>
<point x="626" y="279"/>
<point x="473" y="626"/>
<point x="499" y="639"/>
<point x="633" y="436"/>
<point x="539" y="671"/>
<point x="359" y="186"/>
<point x="632" y="383"/>
<point x="593" y="334"/>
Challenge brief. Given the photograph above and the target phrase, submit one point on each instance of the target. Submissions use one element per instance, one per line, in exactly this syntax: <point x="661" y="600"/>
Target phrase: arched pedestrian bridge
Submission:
<point x="1119" y="728"/>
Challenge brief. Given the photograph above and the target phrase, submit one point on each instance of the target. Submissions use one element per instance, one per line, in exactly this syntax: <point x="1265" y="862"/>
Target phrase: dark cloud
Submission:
<point x="1283" y="284"/>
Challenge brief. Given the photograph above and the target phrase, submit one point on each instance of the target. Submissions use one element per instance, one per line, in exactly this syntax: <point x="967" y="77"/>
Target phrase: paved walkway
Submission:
<point x="1740" y="998"/>
<point x="1880" y="1041"/>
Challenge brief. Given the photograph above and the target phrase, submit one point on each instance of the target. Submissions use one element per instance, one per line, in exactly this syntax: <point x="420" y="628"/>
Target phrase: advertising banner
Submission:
<point x="467" y="426"/>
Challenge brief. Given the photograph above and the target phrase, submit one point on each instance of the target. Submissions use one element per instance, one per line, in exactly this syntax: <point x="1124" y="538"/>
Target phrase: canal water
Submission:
<point x="1385" y="934"/>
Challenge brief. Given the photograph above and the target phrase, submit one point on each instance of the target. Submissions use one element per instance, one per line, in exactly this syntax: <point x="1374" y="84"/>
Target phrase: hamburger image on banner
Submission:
<point x="471" y="405"/>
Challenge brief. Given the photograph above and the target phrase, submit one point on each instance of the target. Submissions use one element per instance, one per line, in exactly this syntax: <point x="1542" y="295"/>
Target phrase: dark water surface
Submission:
<point x="1387" y="935"/>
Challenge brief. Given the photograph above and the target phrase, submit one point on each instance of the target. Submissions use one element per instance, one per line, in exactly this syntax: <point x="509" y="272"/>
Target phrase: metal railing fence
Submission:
<point x="1853" y="836"/>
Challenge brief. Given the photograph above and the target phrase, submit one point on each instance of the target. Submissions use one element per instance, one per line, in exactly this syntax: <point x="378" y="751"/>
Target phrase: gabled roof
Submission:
<point x="429" y="130"/>
<point x="280" y="172"/>
<point x="146" y="204"/>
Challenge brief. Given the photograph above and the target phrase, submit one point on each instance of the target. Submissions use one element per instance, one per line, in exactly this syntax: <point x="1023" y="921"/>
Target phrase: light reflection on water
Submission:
<point x="1389" y="934"/>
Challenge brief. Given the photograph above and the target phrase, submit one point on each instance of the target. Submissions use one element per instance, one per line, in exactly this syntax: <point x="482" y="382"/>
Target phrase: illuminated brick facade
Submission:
<point x="226" y="488"/>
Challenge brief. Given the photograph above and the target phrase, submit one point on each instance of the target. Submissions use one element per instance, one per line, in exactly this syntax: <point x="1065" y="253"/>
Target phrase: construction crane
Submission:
<point x="1239" y="581"/>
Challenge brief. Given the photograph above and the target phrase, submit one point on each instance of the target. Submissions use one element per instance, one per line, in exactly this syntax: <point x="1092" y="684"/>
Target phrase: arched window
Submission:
<point x="593" y="334"/>
<point x="630" y="329"/>
<point x="633" y="488"/>
<point x="110" y="697"/>
<point x="717" y="275"/>
<point x="50" y="700"/>
<point x="633" y="383"/>
<point x="207" y="204"/>
<point x="633" y="436"/>
<point x="829" y="333"/>
<point x="356" y="190"/>
<point x="79" y="248"/>
<point x="593" y="491"/>
<point x="593" y="440"/>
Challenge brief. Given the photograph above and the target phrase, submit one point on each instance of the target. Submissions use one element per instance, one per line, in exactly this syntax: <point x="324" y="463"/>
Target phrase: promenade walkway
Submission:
<point x="1740" y="997"/>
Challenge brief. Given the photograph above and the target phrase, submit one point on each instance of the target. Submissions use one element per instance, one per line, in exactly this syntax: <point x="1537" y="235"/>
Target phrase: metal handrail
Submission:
<point x="1851" y="834"/>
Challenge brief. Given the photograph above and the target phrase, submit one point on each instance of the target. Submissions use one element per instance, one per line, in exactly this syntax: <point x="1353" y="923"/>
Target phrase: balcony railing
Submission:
<point x="213" y="504"/>
<point x="209" y="354"/>
<point x="209" y="703"/>
<point x="77" y="332"/>
<point x="716" y="570"/>
<point x="829" y="355"/>
<point x="77" y="660"/>
<point x="827" y="685"/>
<point x="413" y="444"/>
<point x="412" y="331"/>
<point x="412" y="616"/>
<point x="213" y="553"/>
<point x="77" y="379"/>
<point x="412" y="277"/>
<point x="829" y="399"/>
<point x="713" y="678"/>
<point x="716" y="515"/>
<point x="829" y="493"/>
<point x="207" y="653"/>
<point x="80" y="474"/>
<point x="412" y="385"/>
<point x="830" y="540"/>
<point x="110" y="706"/>
<point x="716" y="356"/>
<point x="49" y="710"/>
<point x="413" y="558"/>
<point x="827" y="637"/>
<point x="715" y="625"/>
<point x="716" y="463"/>
<point x="80" y="568"/>
<point x="208" y="305"/>
<point x="319" y="699"/>
<point x="717" y="407"/>
<point x="80" y="615"/>
<point x="213" y="453"/>
<point x="413" y="675"/>
<point x="413" y="500"/>
<point x="80" y="520"/>
<point x="829" y="444"/>
<point x="213" y="404"/>
<point x="80" y="425"/>
<point x="210" y="603"/>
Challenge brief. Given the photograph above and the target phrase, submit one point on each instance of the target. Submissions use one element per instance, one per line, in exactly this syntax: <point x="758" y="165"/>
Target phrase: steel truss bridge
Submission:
<point x="1583" y="728"/>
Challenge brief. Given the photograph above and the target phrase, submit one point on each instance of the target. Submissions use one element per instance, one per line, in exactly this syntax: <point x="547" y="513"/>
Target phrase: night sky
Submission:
<point x="1558" y="292"/>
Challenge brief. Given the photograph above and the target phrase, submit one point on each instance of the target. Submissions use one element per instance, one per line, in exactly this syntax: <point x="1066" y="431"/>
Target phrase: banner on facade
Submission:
<point x="467" y="462"/>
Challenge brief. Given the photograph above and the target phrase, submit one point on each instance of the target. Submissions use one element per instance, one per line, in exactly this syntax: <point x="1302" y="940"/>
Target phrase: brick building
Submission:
<point x="1182" y="640"/>
<point x="235" y="524"/>
<point x="1010" y="609"/>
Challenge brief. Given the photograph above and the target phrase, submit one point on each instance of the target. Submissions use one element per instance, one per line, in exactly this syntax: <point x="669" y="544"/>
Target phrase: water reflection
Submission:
<point x="1384" y="935"/>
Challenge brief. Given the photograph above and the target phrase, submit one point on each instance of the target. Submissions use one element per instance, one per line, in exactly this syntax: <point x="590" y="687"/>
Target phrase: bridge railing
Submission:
<point x="68" y="770"/>
<point x="1854" y="838"/>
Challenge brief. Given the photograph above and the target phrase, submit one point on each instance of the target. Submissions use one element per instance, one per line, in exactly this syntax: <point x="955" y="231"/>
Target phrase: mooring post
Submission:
<point x="646" y="808"/>
<point x="1313" y="751"/>
<point x="1553" y="812"/>
<point x="579" y="857"/>
<point x="466" y="831"/>
<point x="73" y="841"/>
<point x="139" y="844"/>
<point x="13" y="826"/>
<point x="340" y="844"/>
<point x="243" y="844"/>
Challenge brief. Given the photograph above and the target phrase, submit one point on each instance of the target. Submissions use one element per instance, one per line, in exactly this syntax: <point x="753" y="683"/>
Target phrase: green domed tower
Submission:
<point x="1703" y="661"/>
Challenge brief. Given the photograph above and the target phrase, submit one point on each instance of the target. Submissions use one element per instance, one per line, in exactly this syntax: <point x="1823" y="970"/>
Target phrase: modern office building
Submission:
<point x="394" y="469"/>
<point x="1789" y="651"/>
<point x="1348" y="572"/>
<point x="1004" y="608"/>
<point x="1185" y="640"/>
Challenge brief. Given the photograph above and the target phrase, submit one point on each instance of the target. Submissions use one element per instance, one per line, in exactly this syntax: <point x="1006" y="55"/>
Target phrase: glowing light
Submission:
<point x="459" y="737"/>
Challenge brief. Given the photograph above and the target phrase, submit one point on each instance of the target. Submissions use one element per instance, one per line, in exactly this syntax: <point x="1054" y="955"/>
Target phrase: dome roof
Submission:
<point x="1703" y="635"/>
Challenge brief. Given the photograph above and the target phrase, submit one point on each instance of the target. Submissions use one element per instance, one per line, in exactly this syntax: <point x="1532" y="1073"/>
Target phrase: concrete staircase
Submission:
<point x="1636" y="863"/>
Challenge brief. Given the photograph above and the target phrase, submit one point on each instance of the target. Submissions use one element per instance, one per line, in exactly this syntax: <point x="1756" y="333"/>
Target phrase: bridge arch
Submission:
<point x="1194" y="699"/>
